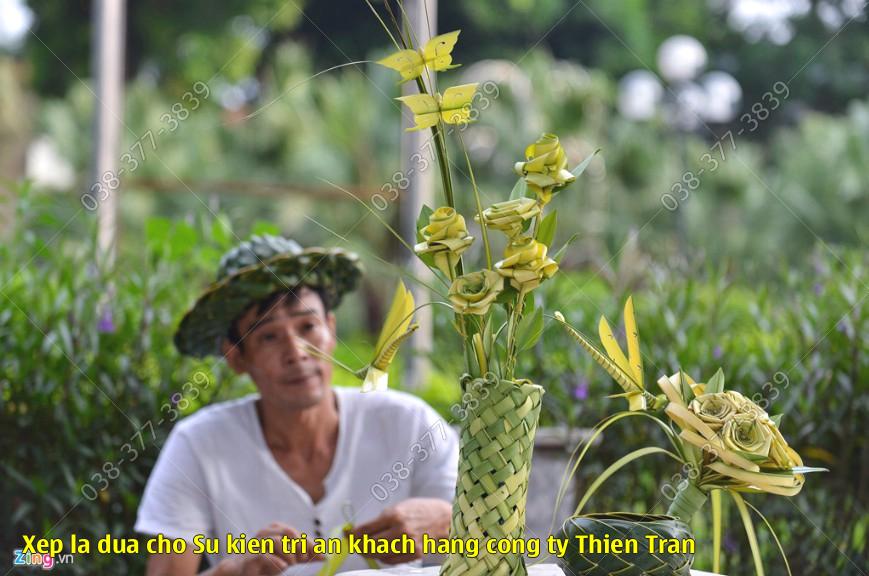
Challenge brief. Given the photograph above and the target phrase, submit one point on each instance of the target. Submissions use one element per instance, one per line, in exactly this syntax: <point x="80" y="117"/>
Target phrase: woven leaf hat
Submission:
<point x="255" y="269"/>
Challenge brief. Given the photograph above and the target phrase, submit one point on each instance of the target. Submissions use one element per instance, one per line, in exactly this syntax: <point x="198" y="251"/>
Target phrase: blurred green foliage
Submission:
<point x="235" y="39"/>
<point x="88" y="364"/>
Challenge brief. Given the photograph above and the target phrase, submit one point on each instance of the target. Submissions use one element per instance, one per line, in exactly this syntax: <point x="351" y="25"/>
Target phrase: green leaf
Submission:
<point x="546" y="232"/>
<point x="777" y="420"/>
<point x="508" y="295"/>
<point x="749" y="532"/>
<point x="422" y="221"/>
<point x="561" y="251"/>
<point x="716" y="383"/>
<point x="616" y="466"/>
<point x="221" y="231"/>
<point x="261" y="227"/>
<point x="183" y="239"/>
<point x="687" y="392"/>
<point x="716" y="530"/>
<point x="519" y="189"/>
<point x="530" y="330"/>
<point x="157" y="231"/>
<point x="774" y="537"/>
<point x="580" y="168"/>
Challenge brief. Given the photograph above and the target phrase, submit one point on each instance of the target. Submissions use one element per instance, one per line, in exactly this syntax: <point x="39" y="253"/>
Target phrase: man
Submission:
<point x="300" y="457"/>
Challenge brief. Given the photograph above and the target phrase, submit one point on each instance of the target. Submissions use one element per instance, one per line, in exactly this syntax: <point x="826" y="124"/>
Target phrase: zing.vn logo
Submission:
<point x="47" y="561"/>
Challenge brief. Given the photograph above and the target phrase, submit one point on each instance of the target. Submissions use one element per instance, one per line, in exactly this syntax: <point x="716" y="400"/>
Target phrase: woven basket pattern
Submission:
<point x="497" y="439"/>
<point x="623" y="526"/>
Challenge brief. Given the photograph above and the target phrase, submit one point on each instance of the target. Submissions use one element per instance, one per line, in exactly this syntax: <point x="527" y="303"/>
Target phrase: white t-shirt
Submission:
<point x="216" y="475"/>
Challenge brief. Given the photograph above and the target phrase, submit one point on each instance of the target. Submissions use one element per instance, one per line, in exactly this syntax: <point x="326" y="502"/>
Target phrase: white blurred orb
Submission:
<point x="686" y="112"/>
<point x="723" y="96"/>
<point x="681" y="58"/>
<point x="639" y="95"/>
<point x="15" y="20"/>
<point x="47" y="167"/>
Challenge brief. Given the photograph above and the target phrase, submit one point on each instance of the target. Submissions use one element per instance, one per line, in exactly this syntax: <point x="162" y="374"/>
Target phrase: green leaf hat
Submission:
<point x="255" y="269"/>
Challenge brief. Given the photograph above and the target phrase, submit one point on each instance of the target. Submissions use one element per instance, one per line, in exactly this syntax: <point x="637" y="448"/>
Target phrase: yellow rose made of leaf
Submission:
<point x="509" y="217"/>
<point x="445" y="237"/>
<point x="525" y="263"/>
<point x="473" y="293"/>
<point x="781" y="454"/>
<point x="714" y="409"/>
<point x="545" y="168"/>
<point x="747" y="433"/>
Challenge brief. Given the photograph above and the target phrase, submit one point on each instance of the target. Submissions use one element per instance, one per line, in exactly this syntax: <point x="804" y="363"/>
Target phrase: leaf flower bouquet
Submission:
<point x="726" y="443"/>
<point x="492" y="304"/>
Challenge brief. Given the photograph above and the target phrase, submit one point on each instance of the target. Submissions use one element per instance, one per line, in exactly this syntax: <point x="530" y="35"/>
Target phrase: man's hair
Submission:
<point x="265" y="304"/>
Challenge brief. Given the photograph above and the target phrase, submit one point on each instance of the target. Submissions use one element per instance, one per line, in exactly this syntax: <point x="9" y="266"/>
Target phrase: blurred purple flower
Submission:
<point x="580" y="391"/>
<point x="819" y="289"/>
<point x="717" y="352"/>
<point x="106" y="324"/>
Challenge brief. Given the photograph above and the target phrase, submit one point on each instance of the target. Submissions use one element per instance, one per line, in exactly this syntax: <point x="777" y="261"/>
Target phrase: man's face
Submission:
<point x="274" y="350"/>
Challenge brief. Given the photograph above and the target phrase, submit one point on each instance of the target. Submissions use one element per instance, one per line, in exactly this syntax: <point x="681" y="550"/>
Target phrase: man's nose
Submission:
<point x="296" y="347"/>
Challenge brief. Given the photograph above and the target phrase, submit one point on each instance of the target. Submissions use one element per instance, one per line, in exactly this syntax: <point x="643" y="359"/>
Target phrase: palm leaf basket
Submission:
<point x="497" y="439"/>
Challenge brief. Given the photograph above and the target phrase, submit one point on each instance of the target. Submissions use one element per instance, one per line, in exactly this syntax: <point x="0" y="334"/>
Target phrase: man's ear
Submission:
<point x="234" y="356"/>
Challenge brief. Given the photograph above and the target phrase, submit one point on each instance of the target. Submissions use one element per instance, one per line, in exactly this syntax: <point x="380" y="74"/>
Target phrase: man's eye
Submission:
<point x="308" y="326"/>
<point x="267" y="337"/>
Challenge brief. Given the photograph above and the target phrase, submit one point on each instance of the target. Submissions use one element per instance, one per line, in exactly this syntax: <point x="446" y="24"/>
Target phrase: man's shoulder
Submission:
<point x="218" y="418"/>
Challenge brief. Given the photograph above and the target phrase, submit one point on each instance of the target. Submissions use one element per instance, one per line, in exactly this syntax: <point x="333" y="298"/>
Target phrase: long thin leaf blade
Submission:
<point x="716" y="530"/>
<point x="613" y="350"/>
<point x="749" y="532"/>
<point x="620" y="376"/>
<point x="618" y="465"/>
<point x="774" y="537"/>
<point x="632" y="334"/>
<point x="580" y="168"/>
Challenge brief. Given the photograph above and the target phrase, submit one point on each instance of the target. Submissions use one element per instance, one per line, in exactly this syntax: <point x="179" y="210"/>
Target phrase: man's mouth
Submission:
<point x="300" y="378"/>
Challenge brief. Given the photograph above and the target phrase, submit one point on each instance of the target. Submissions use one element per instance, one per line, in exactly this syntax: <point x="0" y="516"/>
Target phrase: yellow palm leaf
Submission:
<point x="624" y="378"/>
<point x="453" y="107"/>
<point x="396" y="329"/>
<point x="436" y="55"/>
<point x="633" y="337"/>
<point x="613" y="350"/>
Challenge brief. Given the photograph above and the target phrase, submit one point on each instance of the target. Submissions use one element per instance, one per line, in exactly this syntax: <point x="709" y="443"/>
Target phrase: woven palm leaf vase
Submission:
<point x="497" y="440"/>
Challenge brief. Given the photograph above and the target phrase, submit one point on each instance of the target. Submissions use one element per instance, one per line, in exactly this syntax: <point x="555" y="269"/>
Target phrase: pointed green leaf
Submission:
<point x="716" y="383"/>
<point x="507" y="296"/>
<point x="422" y="221"/>
<point x="546" y="232"/>
<point x="561" y="251"/>
<point x="777" y="420"/>
<point x="530" y="330"/>
<point x="687" y="392"/>
<point x="580" y="168"/>
<point x="519" y="189"/>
